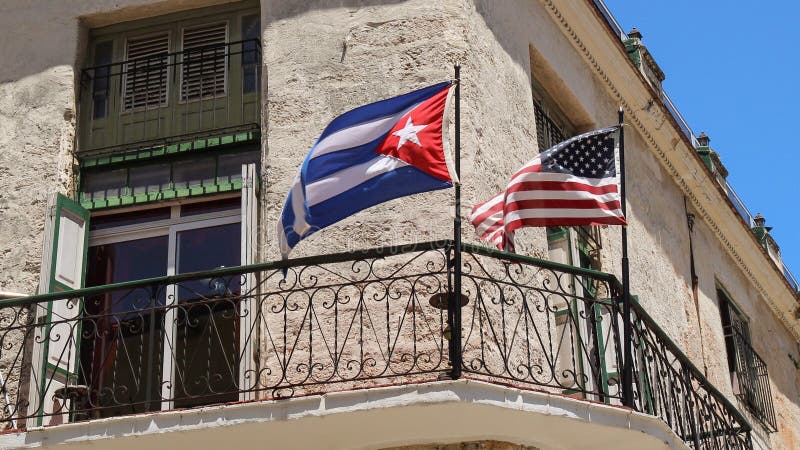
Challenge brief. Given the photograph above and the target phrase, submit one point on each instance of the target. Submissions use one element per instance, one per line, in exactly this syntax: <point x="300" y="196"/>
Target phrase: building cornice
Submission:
<point x="645" y="111"/>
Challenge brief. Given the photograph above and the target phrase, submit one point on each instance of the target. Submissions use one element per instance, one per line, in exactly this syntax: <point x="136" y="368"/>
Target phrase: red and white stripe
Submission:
<point x="537" y="199"/>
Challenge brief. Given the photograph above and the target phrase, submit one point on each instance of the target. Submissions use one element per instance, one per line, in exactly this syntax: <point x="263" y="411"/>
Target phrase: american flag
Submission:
<point x="575" y="182"/>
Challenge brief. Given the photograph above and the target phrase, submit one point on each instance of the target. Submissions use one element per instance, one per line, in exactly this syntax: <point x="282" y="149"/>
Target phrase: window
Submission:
<point x="172" y="78"/>
<point x="168" y="145"/>
<point x="550" y="130"/>
<point x="144" y="179"/>
<point x="201" y="339"/>
<point x="749" y="375"/>
<point x="131" y="351"/>
<point x="583" y="322"/>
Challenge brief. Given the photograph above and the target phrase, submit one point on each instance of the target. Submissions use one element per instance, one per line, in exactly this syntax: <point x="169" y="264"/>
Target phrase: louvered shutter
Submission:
<point x="548" y="133"/>
<point x="146" y="72"/>
<point x="204" y="60"/>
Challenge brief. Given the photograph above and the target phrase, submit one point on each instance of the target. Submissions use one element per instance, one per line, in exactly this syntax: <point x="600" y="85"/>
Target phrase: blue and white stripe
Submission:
<point x="343" y="174"/>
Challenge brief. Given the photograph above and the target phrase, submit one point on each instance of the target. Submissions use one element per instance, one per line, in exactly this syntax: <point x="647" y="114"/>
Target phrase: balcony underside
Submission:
<point x="437" y="412"/>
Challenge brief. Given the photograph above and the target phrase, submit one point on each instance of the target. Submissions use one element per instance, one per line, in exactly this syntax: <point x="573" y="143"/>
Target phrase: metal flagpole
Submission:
<point x="627" y="368"/>
<point x="454" y="307"/>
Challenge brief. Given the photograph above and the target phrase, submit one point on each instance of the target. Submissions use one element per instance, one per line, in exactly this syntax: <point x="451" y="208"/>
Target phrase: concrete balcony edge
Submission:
<point x="436" y="412"/>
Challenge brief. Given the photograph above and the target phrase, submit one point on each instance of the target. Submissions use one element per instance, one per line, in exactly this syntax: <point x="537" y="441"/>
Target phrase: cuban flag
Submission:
<point x="372" y="154"/>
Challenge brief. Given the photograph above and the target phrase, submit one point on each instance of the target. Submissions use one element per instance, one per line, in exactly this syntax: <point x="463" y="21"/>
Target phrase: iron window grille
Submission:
<point x="749" y="374"/>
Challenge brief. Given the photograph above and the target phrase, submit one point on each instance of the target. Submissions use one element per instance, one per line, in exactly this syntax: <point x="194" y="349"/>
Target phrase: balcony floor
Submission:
<point x="439" y="412"/>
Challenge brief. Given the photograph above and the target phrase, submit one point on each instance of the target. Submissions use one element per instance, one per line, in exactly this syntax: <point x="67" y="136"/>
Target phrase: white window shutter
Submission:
<point x="56" y="341"/>
<point x="248" y="371"/>
<point x="204" y="61"/>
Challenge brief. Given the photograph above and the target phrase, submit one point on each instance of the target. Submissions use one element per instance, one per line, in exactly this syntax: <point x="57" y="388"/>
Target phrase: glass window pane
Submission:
<point x="193" y="209"/>
<point x="130" y="218"/>
<point x="100" y="185"/>
<point x="251" y="54"/>
<point x="207" y="323"/>
<point x="100" y="78"/>
<point x="230" y="164"/>
<point x="116" y="328"/>
<point x="152" y="178"/>
<point x="194" y="172"/>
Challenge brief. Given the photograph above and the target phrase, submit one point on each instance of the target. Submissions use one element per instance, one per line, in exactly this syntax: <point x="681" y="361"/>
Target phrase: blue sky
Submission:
<point x="732" y="71"/>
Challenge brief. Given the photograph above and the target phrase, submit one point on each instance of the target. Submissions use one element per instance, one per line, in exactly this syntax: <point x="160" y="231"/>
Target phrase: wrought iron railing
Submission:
<point x="340" y="322"/>
<point x="668" y="385"/>
<point x="751" y="383"/>
<point x="170" y="98"/>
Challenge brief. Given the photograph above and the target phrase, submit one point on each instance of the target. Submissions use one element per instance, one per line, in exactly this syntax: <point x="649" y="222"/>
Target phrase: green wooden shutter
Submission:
<point x="56" y="344"/>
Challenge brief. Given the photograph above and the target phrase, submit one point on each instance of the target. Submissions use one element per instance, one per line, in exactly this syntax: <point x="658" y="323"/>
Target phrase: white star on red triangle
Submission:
<point x="409" y="133"/>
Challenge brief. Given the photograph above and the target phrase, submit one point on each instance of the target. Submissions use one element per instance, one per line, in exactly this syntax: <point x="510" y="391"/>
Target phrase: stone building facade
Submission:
<point x="276" y="74"/>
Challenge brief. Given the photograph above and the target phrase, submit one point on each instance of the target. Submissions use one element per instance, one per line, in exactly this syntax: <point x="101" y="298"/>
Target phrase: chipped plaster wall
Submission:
<point x="355" y="55"/>
<point x="359" y="54"/>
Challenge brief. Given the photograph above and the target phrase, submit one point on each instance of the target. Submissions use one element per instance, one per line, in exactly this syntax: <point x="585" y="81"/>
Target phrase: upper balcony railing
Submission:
<point x="170" y="97"/>
<point x="341" y="322"/>
<point x="737" y="202"/>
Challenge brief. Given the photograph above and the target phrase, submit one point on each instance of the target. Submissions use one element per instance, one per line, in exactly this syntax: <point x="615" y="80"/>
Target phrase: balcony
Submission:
<point x="385" y="318"/>
<point x="170" y="102"/>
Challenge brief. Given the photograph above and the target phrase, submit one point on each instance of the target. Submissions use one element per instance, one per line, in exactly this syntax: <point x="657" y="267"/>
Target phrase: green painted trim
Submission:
<point x="644" y="382"/>
<point x="60" y="370"/>
<point x="166" y="194"/>
<point x="632" y="47"/>
<point x="562" y="312"/>
<point x="171" y="149"/>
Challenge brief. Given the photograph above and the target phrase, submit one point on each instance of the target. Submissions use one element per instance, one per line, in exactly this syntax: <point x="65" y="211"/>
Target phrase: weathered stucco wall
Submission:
<point x="768" y="336"/>
<point x="354" y="56"/>
<point x="658" y="229"/>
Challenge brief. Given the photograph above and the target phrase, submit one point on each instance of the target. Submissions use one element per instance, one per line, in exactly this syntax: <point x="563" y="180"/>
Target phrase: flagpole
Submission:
<point x="627" y="368"/>
<point x="455" y="297"/>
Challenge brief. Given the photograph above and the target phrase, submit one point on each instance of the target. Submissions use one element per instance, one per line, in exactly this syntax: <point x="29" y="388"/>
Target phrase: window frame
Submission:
<point x="170" y="228"/>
